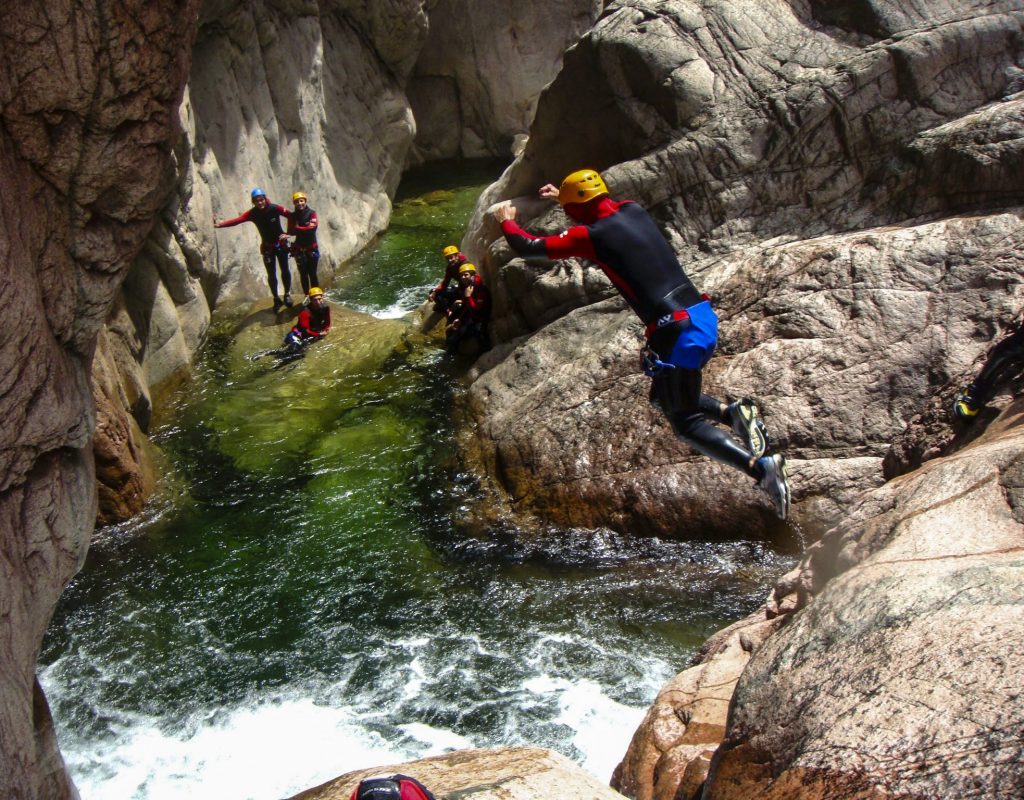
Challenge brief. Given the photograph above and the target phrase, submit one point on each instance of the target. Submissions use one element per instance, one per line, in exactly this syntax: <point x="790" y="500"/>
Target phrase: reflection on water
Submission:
<point x="303" y="605"/>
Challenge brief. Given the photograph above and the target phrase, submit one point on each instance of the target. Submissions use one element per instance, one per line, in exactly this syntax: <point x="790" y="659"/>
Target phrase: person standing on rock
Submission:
<point x="681" y="327"/>
<point x="302" y="225"/>
<point x="444" y="293"/>
<point x="266" y="216"/>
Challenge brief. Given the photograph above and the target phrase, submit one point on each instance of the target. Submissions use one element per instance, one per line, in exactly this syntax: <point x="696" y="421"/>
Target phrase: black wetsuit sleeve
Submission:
<point x="522" y="242"/>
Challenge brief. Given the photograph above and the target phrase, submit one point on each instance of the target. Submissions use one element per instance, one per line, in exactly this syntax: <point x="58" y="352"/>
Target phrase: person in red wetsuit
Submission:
<point x="681" y="327"/>
<point x="314" y="323"/>
<point x="302" y="224"/>
<point x="469" y="311"/>
<point x="266" y="216"/>
<point x="391" y="787"/>
<point x="445" y="292"/>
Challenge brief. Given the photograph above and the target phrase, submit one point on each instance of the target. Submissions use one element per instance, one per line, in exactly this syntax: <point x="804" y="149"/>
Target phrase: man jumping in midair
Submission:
<point x="681" y="327"/>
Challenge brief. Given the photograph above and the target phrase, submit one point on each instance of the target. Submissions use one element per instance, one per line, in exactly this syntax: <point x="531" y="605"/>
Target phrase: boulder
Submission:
<point x="880" y="666"/>
<point x="505" y="773"/>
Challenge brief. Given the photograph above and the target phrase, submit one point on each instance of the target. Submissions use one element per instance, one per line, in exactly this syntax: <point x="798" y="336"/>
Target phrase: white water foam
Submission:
<point x="603" y="727"/>
<point x="409" y="299"/>
<point x="271" y="750"/>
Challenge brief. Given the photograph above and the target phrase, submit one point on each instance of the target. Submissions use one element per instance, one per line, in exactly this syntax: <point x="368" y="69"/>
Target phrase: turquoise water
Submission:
<point x="301" y="603"/>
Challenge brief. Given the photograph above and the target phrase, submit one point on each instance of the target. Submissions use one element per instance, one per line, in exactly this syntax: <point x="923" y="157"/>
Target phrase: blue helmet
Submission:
<point x="257" y="192"/>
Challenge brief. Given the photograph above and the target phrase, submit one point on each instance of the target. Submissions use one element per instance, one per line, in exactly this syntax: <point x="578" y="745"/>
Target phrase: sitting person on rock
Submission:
<point x="314" y="323"/>
<point x="391" y="787"/>
<point x="444" y="293"/>
<point x="1005" y="361"/>
<point x="305" y="250"/>
<point x="266" y="216"/>
<point x="469" y="312"/>
<point x="681" y="327"/>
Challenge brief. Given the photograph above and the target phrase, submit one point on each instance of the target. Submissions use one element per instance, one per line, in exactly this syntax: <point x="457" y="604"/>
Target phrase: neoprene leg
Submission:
<point x="679" y="396"/>
<point x="286" y="274"/>
<point x="713" y="409"/>
<point x="312" y="260"/>
<point x="1006" y="357"/>
<point x="268" y="262"/>
<point x="302" y="263"/>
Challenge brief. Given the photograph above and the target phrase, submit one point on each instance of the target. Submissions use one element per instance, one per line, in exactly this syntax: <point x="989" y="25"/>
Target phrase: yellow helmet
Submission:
<point x="299" y="196"/>
<point x="467" y="267"/>
<point x="581" y="186"/>
<point x="316" y="291"/>
<point x="450" y="250"/>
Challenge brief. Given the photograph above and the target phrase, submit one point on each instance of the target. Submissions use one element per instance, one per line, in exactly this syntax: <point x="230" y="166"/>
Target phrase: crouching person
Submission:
<point x="469" y="313"/>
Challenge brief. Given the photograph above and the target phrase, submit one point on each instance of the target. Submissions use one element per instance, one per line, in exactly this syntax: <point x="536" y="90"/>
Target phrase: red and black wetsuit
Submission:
<point x="268" y="222"/>
<point x="393" y="787"/>
<point x="314" y="321"/>
<point x="302" y="224"/>
<point x="626" y="243"/>
<point x="468" y="316"/>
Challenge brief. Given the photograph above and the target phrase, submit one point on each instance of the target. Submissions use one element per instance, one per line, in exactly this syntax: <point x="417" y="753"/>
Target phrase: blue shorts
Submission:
<point x="696" y="343"/>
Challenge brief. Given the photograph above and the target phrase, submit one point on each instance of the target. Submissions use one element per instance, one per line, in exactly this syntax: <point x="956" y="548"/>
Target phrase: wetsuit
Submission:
<point x="681" y="327"/>
<point x="444" y="294"/>
<point x="306" y="251"/>
<point x="469" y="318"/>
<point x="268" y="222"/>
<point x="395" y="787"/>
<point x="313" y="323"/>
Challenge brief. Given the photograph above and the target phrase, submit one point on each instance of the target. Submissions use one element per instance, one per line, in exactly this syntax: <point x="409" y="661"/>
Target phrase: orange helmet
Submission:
<point x="581" y="186"/>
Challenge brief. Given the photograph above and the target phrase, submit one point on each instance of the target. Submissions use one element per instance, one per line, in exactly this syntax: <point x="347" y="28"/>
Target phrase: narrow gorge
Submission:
<point x="845" y="178"/>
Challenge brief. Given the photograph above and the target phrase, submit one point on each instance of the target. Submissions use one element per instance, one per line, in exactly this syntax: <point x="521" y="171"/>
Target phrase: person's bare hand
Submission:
<point x="469" y="290"/>
<point x="505" y="212"/>
<point x="549" y="191"/>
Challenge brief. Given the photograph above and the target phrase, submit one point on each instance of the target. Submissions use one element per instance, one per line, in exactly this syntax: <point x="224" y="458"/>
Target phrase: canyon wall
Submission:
<point x="89" y="100"/>
<point x="334" y="98"/>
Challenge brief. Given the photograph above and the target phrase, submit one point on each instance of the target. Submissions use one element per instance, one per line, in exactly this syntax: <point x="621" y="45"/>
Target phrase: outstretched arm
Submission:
<point x="570" y="243"/>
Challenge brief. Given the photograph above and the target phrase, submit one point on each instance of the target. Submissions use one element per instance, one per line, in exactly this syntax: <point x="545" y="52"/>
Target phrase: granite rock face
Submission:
<point x="504" y="773"/>
<point x="848" y="196"/>
<point x="88" y="103"/>
<point x="883" y="666"/>
<point x="475" y="85"/>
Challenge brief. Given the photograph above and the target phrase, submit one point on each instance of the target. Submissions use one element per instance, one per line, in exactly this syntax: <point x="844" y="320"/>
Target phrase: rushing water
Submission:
<point x="299" y="602"/>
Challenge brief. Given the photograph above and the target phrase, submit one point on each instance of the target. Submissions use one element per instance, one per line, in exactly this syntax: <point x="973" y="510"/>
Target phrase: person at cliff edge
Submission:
<point x="391" y="787"/>
<point x="681" y="326"/>
<point x="302" y="224"/>
<point x="266" y="216"/>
